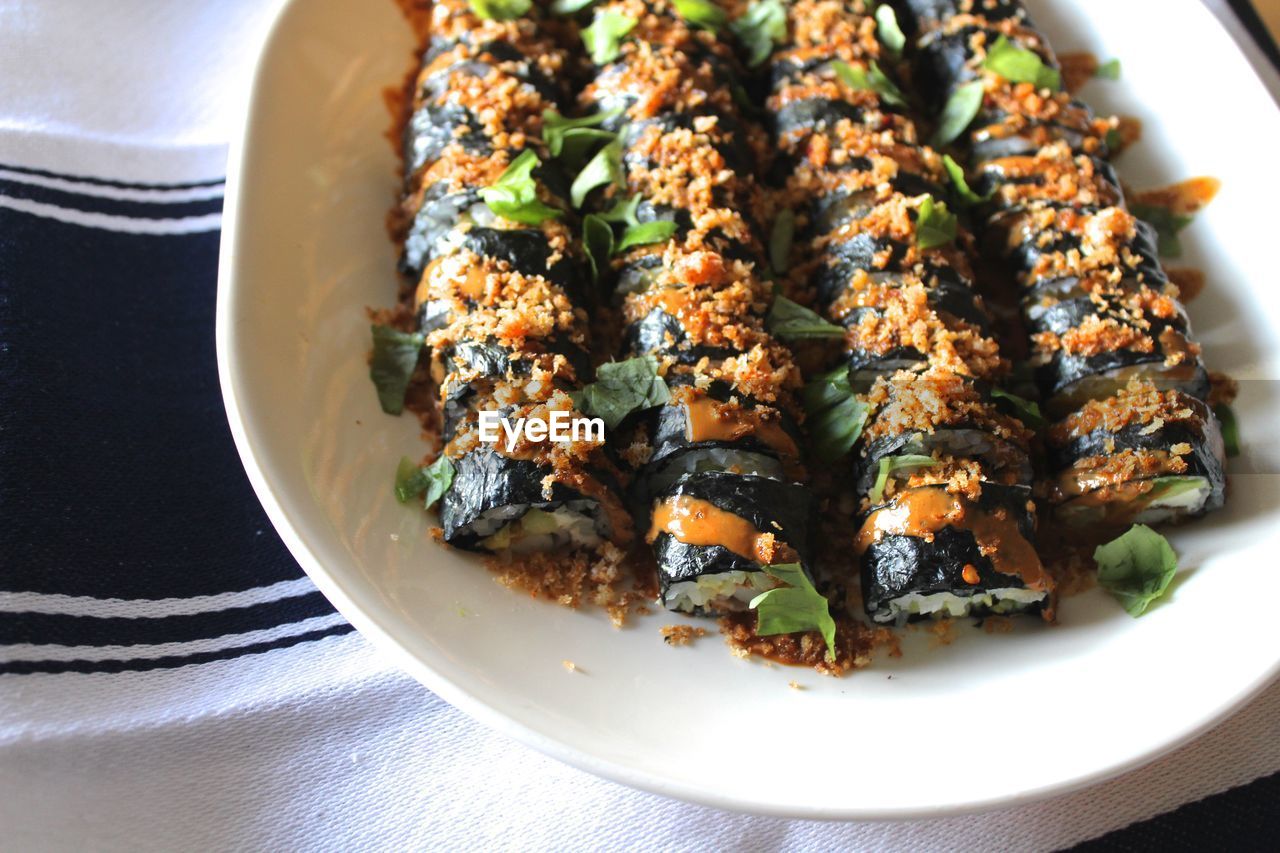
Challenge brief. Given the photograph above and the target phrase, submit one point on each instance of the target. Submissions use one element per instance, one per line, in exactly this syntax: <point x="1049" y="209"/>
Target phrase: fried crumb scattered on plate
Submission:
<point x="681" y="635"/>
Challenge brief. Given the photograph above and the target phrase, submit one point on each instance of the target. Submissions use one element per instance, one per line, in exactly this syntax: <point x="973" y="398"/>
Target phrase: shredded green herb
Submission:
<point x="395" y="357"/>
<point x="1109" y="70"/>
<point x="961" y="184"/>
<point x="798" y="606"/>
<point x="622" y="387"/>
<point x="603" y="39"/>
<point x="702" y="13"/>
<point x="1167" y="225"/>
<point x="1027" y="411"/>
<point x="835" y="414"/>
<point x="960" y="111"/>
<point x="786" y="319"/>
<point x="644" y="233"/>
<point x="780" y="237"/>
<point x="1230" y="429"/>
<point x="871" y="78"/>
<point x="935" y="225"/>
<point x="1136" y="567"/>
<point x="514" y="195"/>
<point x="431" y="481"/>
<point x="1020" y="65"/>
<point x="763" y="25"/>
<point x="603" y="169"/>
<point x="888" y="31"/>
<point x="500" y="10"/>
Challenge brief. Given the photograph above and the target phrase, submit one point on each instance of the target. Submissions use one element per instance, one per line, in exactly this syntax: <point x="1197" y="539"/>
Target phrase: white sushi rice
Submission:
<point x="521" y="530"/>
<point x="726" y="591"/>
<point x="999" y="601"/>
<point x="1174" y="503"/>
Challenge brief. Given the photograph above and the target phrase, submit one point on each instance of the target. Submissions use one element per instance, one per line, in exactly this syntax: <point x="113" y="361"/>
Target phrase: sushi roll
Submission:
<point x="722" y="456"/>
<point x="715" y="533"/>
<point x="942" y="475"/>
<point x="1142" y="455"/>
<point x="500" y="289"/>
<point x="1111" y="346"/>
<point x="933" y="551"/>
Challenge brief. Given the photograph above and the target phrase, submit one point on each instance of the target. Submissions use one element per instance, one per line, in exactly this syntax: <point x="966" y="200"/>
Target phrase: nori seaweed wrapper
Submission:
<point x="659" y="333"/>
<point x="485" y="480"/>
<point x="917" y="16"/>
<point x="490" y="362"/>
<point x="1064" y="371"/>
<point x="860" y="252"/>
<point x="668" y="433"/>
<point x="897" y="565"/>
<point x="772" y="506"/>
<point x="525" y="249"/>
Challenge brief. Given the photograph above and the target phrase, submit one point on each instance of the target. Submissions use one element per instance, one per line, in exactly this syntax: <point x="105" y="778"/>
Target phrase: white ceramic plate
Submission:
<point x="985" y="721"/>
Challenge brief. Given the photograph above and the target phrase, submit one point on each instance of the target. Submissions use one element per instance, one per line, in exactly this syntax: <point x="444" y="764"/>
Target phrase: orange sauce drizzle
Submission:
<point x="696" y="522"/>
<point x="923" y="512"/>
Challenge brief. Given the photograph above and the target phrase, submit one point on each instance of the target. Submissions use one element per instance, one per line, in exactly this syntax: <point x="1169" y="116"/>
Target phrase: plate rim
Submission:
<point x="456" y="693"/>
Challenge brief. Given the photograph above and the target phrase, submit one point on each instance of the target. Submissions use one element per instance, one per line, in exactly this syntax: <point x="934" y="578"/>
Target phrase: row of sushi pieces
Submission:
<point x="656" y="173"/>
<point x="1110" y="343"/>
<point x="941" y="465"/>
<point x="501" y="289"/>
<point x="719" y="484"/>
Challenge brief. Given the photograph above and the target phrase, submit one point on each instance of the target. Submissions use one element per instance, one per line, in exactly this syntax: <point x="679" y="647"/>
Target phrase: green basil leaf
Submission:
<point x="623" y="387"/>
<point x="837" y="430"/>
<point x="603" y="39"/>
<point x="893" y="464"/>
<point x="645" y="233"/>
<point x="935" y="226"/>
<point x="556" y="129"/>
<point x="961" y="183"/>
<point x="1020" y="65"/>
<point x="961" y="109"/>
<point x="1109" y="70"/>
<point x="514" y="195"/>
<point x="826" y="390"/>
<point x="786" y="319"/>
<point x="1136" y="567"/>
<point x="597" y="239"/>
<point x="871" y="78"/>
<point x="763" y="25"/>
<point x="798" y="606"/>
<point x="1027" y="411"/>
<point x="1230" y="429"/>
<point x="433" y="480"/>
<point x="623" y="211"/>
<point x="780" y="237"/>
<point x="1167" y="225"/>
<point x="410" y="481"/>
<point x="395" y="357"/>
<point x="605" y="168"/>
<point x="888" y="31"/>
<point x="500" y="10"/>
<point x="1115" y="141"/>
<point x="570" y="7"/>
<point x="702" y="13"/>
